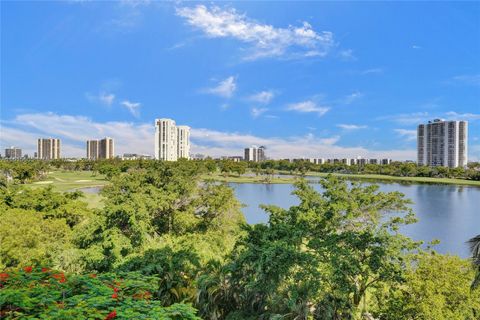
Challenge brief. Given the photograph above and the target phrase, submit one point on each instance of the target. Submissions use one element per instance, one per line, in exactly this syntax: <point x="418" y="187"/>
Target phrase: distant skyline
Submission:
<point x="307" y="79"/>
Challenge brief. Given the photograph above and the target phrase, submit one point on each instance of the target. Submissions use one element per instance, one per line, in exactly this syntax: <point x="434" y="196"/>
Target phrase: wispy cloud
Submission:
<point x="25" y="129"/>
<point x="352" y="97"/>
<point x="264" y="97"/>
<point x="416" y="47"/>
<point x="138" y="138"/>
<point x="264" y="40"/>
<point x="351" y="126"/>
<point x="256" y="112"/>
<point x="467" y="79"/>
<point x="308" y="106"/>
<point x="408" y="118"/>
<point x="225" y="88"/>
<point x="372" y="71"/>
<point x="134" y="3"/>
<point x="409" y="135"/>
<point x="133" y="107"/>
<point x="416" y="118"/>
<point x="347" y="55"/>
<point x="104" y="98"/>
<point x="452" y="115"/>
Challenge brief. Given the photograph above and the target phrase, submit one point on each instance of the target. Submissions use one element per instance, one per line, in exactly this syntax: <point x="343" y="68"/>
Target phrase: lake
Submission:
<point x="448" y="213"/>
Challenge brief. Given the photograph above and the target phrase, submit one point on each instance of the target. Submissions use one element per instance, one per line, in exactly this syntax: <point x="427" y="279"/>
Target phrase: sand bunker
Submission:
<point x="83" y="180"/>
<point x="43" y="182"/>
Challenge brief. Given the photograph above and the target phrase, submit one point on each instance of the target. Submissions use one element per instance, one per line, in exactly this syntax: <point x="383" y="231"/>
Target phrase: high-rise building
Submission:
<point x="13" y="153"/>
<point x="100" y="149"/>
<point x="255" y="154"/>
<point x="443" y="143"/>
<point x="92" y="149"/>
<point x="183" y="142"/>
<point x="172" y="142"/>
<point x="48" y="149"/>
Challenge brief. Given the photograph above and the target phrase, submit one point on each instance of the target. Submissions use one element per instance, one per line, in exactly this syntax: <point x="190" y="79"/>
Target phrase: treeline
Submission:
<point x="32" y="170"/>
<point x="400" y="169"/>
<point x="168" y="245"/>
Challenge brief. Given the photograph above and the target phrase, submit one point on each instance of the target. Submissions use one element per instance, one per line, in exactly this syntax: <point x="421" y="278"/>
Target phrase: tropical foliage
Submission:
<point x="168" y="245"/>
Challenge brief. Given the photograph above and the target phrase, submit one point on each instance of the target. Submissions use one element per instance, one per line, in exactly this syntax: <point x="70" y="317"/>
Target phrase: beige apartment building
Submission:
<point x="48" y="148"/>
<point x="100" y="149"/>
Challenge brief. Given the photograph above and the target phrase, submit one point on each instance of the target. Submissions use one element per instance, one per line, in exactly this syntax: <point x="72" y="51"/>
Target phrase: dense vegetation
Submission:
<point x="32" y="170"/>
<point x="168" y="245"/>
<point x="400" y="169"/>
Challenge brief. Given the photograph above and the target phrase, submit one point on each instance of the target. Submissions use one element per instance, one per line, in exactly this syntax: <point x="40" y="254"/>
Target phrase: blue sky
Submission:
<point x="306" y="79"/>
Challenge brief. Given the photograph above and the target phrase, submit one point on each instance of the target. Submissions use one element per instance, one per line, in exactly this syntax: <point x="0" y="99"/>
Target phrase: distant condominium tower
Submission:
<point x="172" y="142"/>
<point x="443" y="143"/>
<point x="100" y="149"/>
<point x="255" y="154"/>
<point x="13" y="153"/>
<point x="48" y="149"/>
<point x="183" y="142"/>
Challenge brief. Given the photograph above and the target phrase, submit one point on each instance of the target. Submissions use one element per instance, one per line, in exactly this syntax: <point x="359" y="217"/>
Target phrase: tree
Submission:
<point x="475" y="250"/>
<point x="42" y="293"/>
<point x="319" y="258"/>
<point x="435" y="286"/>
<point x="27" y="238"/>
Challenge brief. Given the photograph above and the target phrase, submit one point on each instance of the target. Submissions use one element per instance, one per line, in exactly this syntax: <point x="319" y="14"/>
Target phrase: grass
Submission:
<point x="367" y="177"/>
<point x="65" y="181"/>
<point x="70" y="180"/>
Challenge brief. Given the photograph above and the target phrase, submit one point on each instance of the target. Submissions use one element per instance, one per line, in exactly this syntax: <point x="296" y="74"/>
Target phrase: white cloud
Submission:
<point x="139" y="138"/>
<point x="347" y="55"/>
<point x="452" y="115"/>
<point x="408" y="118"/>
<point x="264" y="40"/>
<point x="416" y="47"/>
<point x="372" y="71"/>
<point x="264" y="97"/>
<point x="133" y="107"/>
<point x="74" y="131"/>
<point x="352" y="97"/>
<point x="216" y="143"/>
<point x="416" y="118"/>
<point x="225" y="88"/>
<point x="104" y="98"/>
<point x="307" y="107"/>
<point x="107" y="98"/>
<point x="409" y="135"/>
<point x="468" y="79"/>
<point x="256" y="112"/>
<point x="351" y="126"/>
<point x="134" y="3"/>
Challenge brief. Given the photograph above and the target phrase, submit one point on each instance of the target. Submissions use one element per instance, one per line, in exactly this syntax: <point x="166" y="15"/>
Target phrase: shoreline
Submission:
<point x="277" y="179"/>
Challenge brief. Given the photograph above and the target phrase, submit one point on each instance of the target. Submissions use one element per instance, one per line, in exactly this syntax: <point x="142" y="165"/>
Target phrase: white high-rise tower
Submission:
<point x="183" y="142"/>
<point x="443" y="143"/>
<point x="171" y="142"/>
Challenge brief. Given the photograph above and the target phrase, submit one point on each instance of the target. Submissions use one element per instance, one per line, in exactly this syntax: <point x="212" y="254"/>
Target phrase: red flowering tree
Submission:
<point x="48" y="294"/>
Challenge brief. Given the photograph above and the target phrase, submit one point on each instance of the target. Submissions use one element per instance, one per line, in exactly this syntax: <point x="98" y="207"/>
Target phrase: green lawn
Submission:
<point x="70" y="180"/>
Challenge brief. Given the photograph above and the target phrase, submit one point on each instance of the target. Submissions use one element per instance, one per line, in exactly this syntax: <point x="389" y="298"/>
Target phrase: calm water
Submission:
<point x="450" y="214"/>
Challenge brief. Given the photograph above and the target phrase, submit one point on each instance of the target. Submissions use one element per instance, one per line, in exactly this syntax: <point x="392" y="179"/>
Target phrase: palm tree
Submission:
<point x="475" y="250"/>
